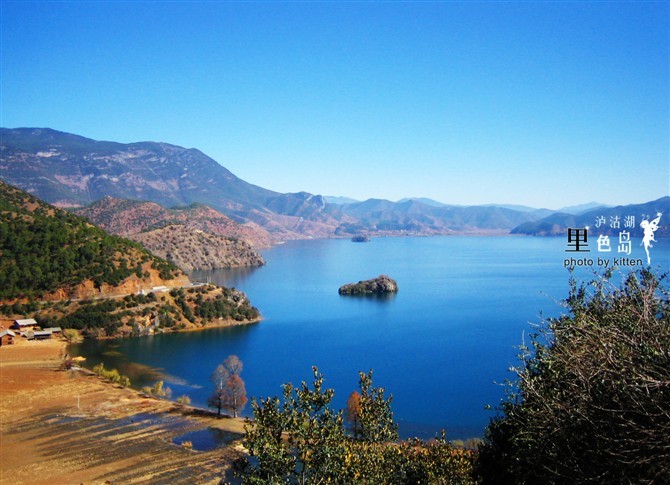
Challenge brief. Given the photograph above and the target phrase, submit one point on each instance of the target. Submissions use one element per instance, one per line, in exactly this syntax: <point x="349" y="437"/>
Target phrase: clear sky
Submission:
<point x="538" y="103"/>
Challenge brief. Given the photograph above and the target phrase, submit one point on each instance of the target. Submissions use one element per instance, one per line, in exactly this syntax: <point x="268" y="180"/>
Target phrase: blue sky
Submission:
<point x="539" y="103"/>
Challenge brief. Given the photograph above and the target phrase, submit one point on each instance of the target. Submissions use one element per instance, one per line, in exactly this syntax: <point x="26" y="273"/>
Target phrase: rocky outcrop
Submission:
<point x="196" y="237"/>
<point x="191" y="249"/>
<point x="380" y="285"/>
<point x="128" y="217"/>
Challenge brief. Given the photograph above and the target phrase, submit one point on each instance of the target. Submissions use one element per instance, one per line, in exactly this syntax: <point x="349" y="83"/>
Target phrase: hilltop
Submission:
<point x="127" y="217"/>
<point x="193" y="237"/>
<point x="195" y="249"/>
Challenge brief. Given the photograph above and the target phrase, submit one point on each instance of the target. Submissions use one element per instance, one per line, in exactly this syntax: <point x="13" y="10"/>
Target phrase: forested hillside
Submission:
<point x="44" y="249"/>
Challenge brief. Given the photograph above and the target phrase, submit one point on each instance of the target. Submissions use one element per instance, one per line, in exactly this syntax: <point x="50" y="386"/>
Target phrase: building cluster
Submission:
<point x="28" y="329"/>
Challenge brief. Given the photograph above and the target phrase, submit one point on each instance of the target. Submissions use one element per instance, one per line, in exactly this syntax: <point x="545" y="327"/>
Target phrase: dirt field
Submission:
<point x="62" y="427"/>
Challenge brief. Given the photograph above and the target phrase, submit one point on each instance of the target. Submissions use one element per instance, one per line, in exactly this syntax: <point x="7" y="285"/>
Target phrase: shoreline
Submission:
<point x="209" y="326"/>
<point x="73" y="427"/>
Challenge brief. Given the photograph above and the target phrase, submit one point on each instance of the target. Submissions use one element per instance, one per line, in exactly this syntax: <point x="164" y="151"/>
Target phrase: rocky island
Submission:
<point x="377" y="286"/>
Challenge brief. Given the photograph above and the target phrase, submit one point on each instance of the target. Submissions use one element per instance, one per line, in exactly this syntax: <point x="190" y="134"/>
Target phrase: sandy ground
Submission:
<point x="69" y="427"/>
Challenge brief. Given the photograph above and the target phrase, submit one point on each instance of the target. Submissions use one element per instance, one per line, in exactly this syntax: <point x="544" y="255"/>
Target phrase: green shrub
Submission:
<point x="592" y="398"/>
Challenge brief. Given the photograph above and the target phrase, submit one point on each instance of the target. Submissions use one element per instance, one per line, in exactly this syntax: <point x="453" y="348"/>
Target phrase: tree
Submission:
<point x="71" y="335"/>
<point x="592" y="398"/>
<point x="229" y="389"/>
<point x="299" y="441"/>
<point x="160" y="391"/>
<point x="353" y="412"/>
<point x="375" y="413"/>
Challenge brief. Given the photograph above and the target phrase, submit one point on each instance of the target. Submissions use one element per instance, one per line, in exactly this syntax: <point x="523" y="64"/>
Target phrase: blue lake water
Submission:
<point x="440" y="345"/>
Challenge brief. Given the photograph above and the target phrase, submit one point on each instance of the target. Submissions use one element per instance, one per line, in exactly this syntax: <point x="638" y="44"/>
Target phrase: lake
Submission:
<point x="441" y="346"/>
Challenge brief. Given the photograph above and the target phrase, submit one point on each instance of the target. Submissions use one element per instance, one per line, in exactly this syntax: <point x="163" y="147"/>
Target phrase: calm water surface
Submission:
<point x="440" y="346"/>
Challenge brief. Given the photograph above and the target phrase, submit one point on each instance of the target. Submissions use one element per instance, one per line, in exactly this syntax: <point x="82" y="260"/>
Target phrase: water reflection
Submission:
<point x="376" y="297"/>
<point x="224" y="277"/>
<point x="207" y="439"/>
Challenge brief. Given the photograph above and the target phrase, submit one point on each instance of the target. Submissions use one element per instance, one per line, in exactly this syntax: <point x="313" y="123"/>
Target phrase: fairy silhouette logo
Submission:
<point x="649" y="228"/>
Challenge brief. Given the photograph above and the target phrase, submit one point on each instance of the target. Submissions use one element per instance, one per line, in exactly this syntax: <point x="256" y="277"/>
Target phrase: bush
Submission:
<point x="303" y="440"/>
<point x="112" y="375"/>
<point x="592" y="401"/>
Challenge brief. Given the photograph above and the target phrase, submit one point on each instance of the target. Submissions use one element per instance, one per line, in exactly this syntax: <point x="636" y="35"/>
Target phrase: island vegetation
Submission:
<point x="380" y="285"/>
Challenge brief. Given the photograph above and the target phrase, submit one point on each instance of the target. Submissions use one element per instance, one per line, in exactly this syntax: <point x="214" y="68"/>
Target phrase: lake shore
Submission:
<point x="71" y="427"/>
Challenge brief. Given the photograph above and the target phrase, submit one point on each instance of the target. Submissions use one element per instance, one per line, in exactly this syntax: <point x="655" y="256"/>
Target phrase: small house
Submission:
<point x="42" y="334"/>
<point x="24" y="325"/>
<point x="54" y="330"/>
<point x="6" y="337"/>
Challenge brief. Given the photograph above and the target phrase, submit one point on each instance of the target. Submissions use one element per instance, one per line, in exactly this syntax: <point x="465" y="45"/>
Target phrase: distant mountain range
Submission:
<point x="423" y="200"/>
<point x="607" y="221"/>
<point x="72" y="171"/>
<point x="337" y="200"/>
<point x="582" y="208"/>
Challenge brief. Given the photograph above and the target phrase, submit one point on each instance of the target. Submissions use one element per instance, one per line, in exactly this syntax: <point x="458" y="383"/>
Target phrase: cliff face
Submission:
<point x="194" y="249"/>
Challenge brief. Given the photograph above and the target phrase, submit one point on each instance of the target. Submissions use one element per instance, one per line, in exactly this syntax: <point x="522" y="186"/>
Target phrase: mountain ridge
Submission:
<point x="601" y="219"/>
<point x="71" y="170"/>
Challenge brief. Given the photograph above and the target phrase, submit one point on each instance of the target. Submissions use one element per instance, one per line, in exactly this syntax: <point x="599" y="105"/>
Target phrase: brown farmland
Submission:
<point x="61" y="427"/>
